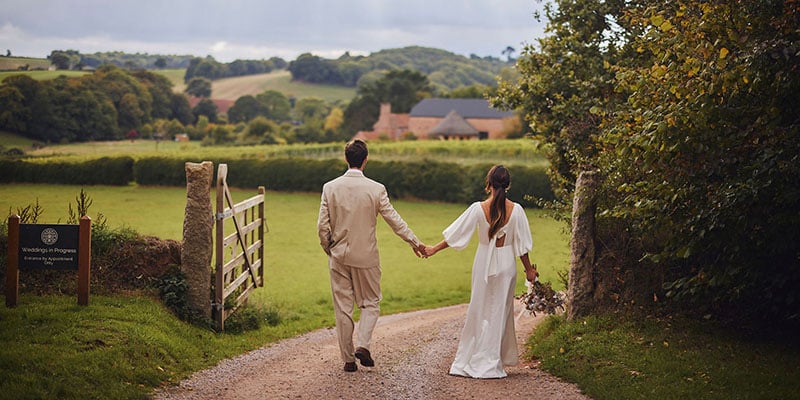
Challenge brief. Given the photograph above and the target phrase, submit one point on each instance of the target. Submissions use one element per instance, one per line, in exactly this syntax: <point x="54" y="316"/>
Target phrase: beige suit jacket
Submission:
<point x="348" y="214"/>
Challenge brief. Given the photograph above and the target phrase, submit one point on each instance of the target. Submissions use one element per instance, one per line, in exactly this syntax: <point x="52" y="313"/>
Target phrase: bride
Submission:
<point x="488" y="341"/>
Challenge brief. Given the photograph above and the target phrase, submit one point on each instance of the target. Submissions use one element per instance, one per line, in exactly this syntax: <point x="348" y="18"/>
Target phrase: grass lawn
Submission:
<point x="296" y="273"/>
<point x="123" y="346"/>
<point x="131" y="344"/>
<point x="623" y="356"/>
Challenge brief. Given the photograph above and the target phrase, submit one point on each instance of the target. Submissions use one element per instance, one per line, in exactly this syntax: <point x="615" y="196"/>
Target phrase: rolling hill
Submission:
<point x="281" y="81"/>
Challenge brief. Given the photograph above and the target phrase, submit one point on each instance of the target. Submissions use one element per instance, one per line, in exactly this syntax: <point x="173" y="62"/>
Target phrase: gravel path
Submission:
<point x="412" y="353"/>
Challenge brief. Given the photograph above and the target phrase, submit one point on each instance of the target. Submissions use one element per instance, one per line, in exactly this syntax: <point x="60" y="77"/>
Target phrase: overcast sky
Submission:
<point x="252" y="29"/>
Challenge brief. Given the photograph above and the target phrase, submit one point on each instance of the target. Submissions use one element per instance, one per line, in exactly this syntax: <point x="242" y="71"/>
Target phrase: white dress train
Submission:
<point x="488" y="341"/>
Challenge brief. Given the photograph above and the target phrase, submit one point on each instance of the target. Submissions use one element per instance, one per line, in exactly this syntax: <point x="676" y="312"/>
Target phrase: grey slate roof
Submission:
<point x="467" y="108"/>
<point x="454" y="124"/>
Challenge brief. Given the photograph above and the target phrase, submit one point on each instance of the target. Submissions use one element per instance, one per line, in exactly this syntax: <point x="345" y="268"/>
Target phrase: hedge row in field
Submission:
<point x="101" y="171"/>
<point x="428" y="180"/>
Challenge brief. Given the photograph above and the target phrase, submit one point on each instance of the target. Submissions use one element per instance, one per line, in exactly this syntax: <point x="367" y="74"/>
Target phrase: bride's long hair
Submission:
<point x="497" y="180"/>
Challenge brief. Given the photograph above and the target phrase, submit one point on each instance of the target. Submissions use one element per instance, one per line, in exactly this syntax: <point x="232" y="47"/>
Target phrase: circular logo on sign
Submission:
<point x="49" y="236"/>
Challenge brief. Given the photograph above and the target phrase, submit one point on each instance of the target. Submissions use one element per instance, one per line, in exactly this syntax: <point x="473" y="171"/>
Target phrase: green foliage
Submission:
<point x="211" y="69"/>
<point x="711" y="142"/>
<point x="160" y="171"/>
<point x="206" y="108"/>
<point x="100" y="171"/>
<point x="199" y="87"/>
<point x="99" y="106"/>
<point x="173" y="291"/>
<point x="445" y="70"/>
<point x="688" y="109"/>
<point x="251" y="318"/>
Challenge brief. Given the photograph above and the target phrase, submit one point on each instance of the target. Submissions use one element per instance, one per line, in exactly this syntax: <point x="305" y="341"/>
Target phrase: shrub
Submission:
<point x="116" y="171"/>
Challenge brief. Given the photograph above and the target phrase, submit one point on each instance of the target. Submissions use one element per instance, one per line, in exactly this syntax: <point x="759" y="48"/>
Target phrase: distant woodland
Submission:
<point x="445" y="70"/>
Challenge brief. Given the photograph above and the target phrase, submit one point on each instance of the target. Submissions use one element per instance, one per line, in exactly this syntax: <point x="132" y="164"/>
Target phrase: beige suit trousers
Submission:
<point x="354" y="286"/>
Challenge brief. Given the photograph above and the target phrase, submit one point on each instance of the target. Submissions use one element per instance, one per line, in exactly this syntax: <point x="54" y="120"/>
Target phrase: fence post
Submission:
<point x="219" y="275"/>
<point x="580" y="293"/>
<point x="197" y="230"/>
<point x="12" y="262"/>
<point x="262" y="191"/>
<point x="84" y="259"/>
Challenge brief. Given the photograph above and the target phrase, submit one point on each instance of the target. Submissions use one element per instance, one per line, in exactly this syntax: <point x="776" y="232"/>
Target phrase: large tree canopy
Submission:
<point x="689" y="109"/>
<point x="98" y="106"/>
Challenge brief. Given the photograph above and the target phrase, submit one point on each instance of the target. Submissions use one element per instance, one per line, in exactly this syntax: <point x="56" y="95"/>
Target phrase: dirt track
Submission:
<point x="412" y="353"/>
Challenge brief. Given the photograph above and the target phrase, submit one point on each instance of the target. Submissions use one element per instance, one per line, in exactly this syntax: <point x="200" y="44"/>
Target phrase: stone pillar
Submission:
<point x="580" y="294"/>
<point x="198" y="224"/>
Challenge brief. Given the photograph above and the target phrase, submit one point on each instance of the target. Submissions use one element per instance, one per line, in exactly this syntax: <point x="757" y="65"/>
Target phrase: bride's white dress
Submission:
<point x="488" y="341"/>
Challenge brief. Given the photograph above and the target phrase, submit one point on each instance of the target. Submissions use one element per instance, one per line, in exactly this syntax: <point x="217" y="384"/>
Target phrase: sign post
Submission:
<point x="39" y="246"/>
<point x="84" y="259"/>
<point x="12" y="267"/>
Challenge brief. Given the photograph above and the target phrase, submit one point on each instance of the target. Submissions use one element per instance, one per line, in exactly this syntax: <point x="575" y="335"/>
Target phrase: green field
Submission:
<point x="175" y="75"/>
<point x="15" y="63"/>
<point x="228" y="88"/>
<point x="8" y="139"/>
<point x="509" y="152"/>
<point x="281" y="81"/>
<point x="292" y="242"/>
<point x="42" y="75"/>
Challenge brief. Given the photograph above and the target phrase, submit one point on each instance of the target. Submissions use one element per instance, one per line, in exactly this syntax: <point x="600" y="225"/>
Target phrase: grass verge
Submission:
<point x="627" y="357"/>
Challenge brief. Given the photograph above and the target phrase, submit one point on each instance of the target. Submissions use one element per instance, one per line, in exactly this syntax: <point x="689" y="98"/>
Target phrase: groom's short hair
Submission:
<point x="355" y="152"/>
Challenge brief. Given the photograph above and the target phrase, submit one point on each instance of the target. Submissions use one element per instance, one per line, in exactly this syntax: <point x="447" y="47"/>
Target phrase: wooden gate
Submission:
<point x="239" y="265"/>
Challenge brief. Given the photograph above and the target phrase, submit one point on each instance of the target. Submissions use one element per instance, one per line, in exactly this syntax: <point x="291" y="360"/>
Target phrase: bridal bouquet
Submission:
<point x="542" y="298"/>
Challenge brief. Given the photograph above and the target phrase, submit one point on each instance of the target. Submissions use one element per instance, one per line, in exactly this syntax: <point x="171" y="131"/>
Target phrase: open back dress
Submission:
<point x="488" y="341"/>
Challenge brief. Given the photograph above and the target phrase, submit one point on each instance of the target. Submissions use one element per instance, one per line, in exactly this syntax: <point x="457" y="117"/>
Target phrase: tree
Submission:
<point x="310" y="68"/>
<point x="310" y="107"/>
<point x="14" y="116"/>
<point x="160" y="89"/>
<point x="180" y="109"/>
<point x="711" y="135"/>
<point x="276" y="105"/>
<point x="245" y="109"/>
<point x="160" y="63"/>
<point x="571" y="75"/>
<point x="401" y="88"/>
<point x="199" y="87"/>
<point x="334" y="119"/>
<point x="508" y="52"/>
<point x="262" y="130"/>
<point x="688" y="109"/>
<point x="206" y="108"/>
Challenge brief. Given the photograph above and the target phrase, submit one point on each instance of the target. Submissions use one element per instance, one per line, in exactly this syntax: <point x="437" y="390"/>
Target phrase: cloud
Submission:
<point x="250" y="29"/>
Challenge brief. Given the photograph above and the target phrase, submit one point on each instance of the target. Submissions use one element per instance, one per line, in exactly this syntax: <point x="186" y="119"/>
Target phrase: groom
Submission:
<point x="348" y="214"/>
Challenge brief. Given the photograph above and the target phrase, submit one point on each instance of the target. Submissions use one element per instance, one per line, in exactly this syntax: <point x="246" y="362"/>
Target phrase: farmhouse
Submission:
<point x="441" y="119"/>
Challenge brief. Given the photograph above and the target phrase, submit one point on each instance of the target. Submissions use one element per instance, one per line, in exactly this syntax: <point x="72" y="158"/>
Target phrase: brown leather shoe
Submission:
<point x="362" y="355"/>
<point x="350" y="367"/>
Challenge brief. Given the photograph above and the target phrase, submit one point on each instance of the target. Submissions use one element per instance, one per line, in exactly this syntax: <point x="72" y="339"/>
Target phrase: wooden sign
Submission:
<point x="39" y="246"/>
<point x="48" y="246"/>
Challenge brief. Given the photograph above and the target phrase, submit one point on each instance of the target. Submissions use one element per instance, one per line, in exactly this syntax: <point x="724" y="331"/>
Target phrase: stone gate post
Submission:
<point x="580" y="294"/>
<point x="198" y="224"/>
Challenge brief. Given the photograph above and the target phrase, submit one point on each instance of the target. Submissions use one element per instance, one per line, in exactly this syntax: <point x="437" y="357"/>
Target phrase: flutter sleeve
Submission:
<point x="458" y="234"/>
<point x="523" y="240"/>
